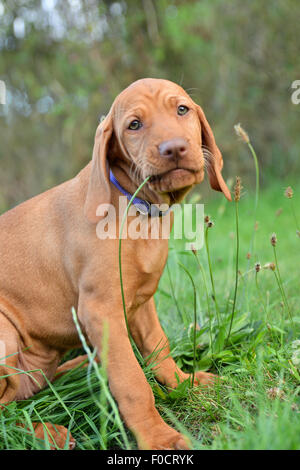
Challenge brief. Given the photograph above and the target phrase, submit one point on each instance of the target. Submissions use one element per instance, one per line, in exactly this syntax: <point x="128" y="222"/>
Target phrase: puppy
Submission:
<point x="52" y="258"/>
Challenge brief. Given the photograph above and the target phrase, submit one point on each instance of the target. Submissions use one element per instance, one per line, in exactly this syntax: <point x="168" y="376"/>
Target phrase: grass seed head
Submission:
<point x="257" y="267"/>
<point x="237" y="189"/>
<point x="271" y="266"/>
<point x="241" y="133"/>
<point x="208" y="221"/>
<point x="193" y="249"/>
<point x="289" y="192"/>
<point x="273" y="239"/>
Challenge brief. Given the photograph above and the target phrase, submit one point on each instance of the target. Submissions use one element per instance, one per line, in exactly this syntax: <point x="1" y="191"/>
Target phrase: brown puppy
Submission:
<point x="52" y="259"/>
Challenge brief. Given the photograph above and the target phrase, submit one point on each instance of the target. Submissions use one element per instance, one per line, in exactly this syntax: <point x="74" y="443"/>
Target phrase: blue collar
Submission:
<point x="144" y="207"/>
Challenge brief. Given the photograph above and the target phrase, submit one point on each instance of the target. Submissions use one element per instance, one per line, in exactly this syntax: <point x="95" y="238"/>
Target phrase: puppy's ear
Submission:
<point x="99" y="188"/>
<point x="214" y="157"/>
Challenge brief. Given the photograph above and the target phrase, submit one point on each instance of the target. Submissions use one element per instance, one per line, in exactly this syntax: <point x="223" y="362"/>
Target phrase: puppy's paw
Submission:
<point x="165" y="440"/>
<point x="58" y="436"/>
<point x="206" y="378"/>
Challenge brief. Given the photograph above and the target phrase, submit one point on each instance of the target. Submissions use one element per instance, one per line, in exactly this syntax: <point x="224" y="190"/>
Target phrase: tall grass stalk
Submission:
<point x="256" y="192"/>
<point x="257" y="269"/>
<point x="278" y="277"/>
<point x="174" y="296"/>
<point x="237" y="193"/>
<point x="265" y="307"/>
<point x="229" y="274"/>
<point x="120" y="259"/>
<point x="207" y="298"/>
<point x="195" y="321"/>
<point x="244" y="136"/>
<point x="211" y="272"/>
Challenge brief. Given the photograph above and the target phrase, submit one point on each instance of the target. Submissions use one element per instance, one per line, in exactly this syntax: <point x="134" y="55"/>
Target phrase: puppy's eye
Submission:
<point x="181" y="110"/>
<point x="135" y="125"/>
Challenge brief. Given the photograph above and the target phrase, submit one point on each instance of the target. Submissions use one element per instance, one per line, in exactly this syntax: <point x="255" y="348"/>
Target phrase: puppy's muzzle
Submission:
<point x="174" y="149"/>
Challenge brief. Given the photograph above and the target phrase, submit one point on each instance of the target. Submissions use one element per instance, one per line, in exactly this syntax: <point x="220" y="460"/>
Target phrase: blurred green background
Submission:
<point x="64" y="61"/>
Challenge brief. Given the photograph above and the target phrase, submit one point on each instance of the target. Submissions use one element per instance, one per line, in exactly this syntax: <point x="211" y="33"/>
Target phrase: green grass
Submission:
<point x="256" y="405"/>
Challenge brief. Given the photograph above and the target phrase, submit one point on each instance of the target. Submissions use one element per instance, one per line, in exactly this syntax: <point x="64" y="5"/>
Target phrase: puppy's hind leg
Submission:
<point x="79" y="361"/>
<point x="9" y="377"/>
<point x="10" y="384"/>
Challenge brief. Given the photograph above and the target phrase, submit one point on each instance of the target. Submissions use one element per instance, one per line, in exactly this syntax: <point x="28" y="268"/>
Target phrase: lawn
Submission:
<point x="256" y="404"/>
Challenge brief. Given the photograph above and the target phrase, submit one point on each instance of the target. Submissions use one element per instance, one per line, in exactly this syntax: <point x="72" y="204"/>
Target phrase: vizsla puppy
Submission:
<point x="52" y="259"/>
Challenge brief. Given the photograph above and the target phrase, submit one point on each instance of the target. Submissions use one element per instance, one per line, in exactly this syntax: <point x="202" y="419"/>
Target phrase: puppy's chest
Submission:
<point x="151" y="257"/>
<point x="145" y="267"/>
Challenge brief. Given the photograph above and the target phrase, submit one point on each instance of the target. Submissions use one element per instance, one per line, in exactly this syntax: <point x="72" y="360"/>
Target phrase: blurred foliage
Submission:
<point x="64" y="61"/>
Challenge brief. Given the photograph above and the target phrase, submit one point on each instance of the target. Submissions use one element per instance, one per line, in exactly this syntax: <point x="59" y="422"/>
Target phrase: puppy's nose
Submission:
<point x="175" y="148"/>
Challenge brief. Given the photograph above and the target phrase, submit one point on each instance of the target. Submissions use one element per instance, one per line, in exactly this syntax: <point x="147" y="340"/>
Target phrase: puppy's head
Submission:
<point x="155" y="129"/>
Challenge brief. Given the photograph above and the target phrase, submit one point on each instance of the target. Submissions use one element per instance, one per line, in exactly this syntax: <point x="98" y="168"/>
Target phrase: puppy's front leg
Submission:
<point x="127" y="381"/>
<point x="150" y="337"/>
